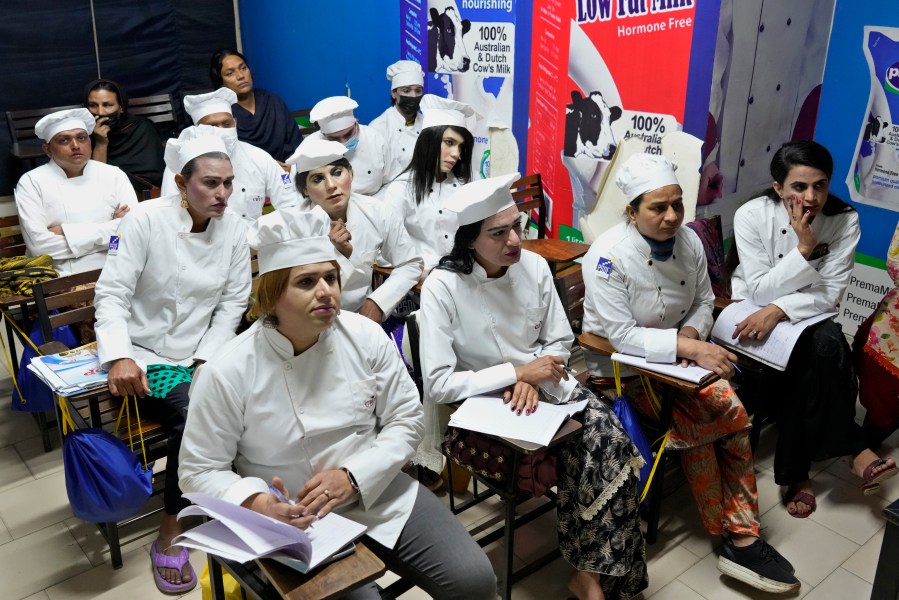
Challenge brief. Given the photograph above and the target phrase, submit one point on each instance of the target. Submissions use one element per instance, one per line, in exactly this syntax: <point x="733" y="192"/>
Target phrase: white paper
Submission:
<point x="695" y="374"/>
<point x="776" y="348"/>
<point x="240" y="534"/>
<point x="488" y="414"/>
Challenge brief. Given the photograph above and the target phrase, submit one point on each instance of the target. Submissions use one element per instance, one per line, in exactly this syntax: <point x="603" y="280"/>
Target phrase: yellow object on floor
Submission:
<point x="232" y="588"/>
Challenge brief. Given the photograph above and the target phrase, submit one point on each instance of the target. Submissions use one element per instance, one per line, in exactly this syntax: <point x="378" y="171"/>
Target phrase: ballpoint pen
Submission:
<point x="282" y="498"/>
<point x="736" y="368"/>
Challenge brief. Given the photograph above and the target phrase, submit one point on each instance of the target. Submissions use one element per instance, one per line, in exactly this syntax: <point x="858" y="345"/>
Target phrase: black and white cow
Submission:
<point x="446" y="49"/>
<point x="588" y="126"/>
<point x="875" y="130"/>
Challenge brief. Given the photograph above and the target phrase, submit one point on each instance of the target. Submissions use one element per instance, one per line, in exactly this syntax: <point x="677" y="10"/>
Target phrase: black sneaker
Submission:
<point x="758" y="566"/>
<point x="781" y="560"/>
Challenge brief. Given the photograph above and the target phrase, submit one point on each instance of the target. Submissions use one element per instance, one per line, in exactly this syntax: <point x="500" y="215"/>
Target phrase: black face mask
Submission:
<point x="115" y="120"/>
<point x="408" y="105"/>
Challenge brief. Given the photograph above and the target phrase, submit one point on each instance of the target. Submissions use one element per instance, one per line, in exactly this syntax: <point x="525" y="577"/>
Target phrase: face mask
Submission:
<point x="229" y="136"/>
<point x="351" y="143"/>
<point x="408" y="104"/>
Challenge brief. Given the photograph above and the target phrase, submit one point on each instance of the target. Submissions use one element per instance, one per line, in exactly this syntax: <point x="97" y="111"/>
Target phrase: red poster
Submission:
<point x="602" y="71"/>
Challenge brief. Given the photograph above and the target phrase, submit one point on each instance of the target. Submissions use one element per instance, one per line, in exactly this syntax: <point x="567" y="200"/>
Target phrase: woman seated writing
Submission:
<point x="491" y="321"/>
<point x="127" y="141"/>
<point x="171" y="294"/>
<point x="796" y="246"/>
<point x="647" y="290"/>
<point x="316" y="402"/>
<point x="362" y="229"/>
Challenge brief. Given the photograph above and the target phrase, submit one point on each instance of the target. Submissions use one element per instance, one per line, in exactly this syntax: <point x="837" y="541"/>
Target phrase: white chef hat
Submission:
<point x="289" y="238"/>
<point x="219" y="101"/>
<point x="189" y="145"/>
<point x="481" y="199"/>
<point x="313" y="153"/>
<point x="643" y="173"/>
<point x="64" y="120"/>
<point x="440" y="111"/>
<point x="334" y="114"/>
<point x="405" y="72"/>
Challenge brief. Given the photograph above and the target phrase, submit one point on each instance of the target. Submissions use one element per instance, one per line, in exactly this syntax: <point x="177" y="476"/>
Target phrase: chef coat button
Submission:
<point x="789" y="21"/>
<point x="762" y="27"/>
<point x="454" y="185"/>
<point x="780" y="256"/>
<point x="181" y="236"/>
<point x="403" y="149"/>
<point x="243" y="189"/>
<point x="777" y="88"/>
<point x="431" y="191"/>
<point x="287" y="367"/>
<point x="649" y="262"/>
<point x="446" y="236"/>
<point x="674" y="256"/>
<point x="440" y="211"/>
<point x="742" y="162"/>
<point x="783" y="231"/>
<point x="682" y="311"/>
<point x="767" y="148"/>
<point x="302" y="410"/>
<point x="751" y="99"/>
<point x="369" y="172"/>
<point x="683" y="282"/>
<point x="243" y="216"/>
<point x="660" y="288"/>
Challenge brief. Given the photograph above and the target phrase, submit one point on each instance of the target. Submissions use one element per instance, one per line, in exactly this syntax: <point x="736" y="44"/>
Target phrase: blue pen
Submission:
<point x="282" y="498"/>
<point x="711" y="341"/>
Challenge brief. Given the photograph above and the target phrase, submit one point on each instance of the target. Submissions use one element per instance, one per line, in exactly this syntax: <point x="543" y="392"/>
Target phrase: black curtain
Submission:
<point x="149" y="46"/>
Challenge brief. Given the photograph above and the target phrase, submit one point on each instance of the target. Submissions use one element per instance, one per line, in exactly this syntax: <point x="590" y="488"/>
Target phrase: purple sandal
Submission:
<point x="164" y="561"/>
<point x="872" y="480"/>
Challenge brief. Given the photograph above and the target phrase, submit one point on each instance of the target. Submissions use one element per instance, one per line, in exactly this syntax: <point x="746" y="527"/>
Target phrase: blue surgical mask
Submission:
<point x="352" y="143"/>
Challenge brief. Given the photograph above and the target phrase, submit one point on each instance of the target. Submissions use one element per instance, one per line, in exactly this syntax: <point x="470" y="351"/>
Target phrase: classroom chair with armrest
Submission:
<point x="654" y="429"/>
<point x="72" y="300"/>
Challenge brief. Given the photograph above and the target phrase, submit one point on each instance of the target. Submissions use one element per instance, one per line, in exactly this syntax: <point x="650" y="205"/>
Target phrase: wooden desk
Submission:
<point x="591" y="341"/>
<point x="331" y="581"/>
<point x="558" y="253"/>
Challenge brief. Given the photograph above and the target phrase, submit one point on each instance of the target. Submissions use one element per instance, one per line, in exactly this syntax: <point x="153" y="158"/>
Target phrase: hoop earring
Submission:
<point x="184" y="200"/>
<point x="270" y="321"/>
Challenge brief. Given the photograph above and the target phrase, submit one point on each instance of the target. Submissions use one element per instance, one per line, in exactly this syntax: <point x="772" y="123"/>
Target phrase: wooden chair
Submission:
<point x="160" y="109"/>
<point x="25" y="144"/>
<point x="96" y="408"/>
<point x="600" y="345"/>
<point x="507" y="490"/>
<point x="302" y="116"/>
<point x="528" y="193"/>
<point x="12" y="243"/>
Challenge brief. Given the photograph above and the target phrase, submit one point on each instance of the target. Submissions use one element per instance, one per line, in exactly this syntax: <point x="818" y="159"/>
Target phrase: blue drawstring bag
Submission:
<point x="36" y="396"/>
<point x="631" y="425"/>
<point x="105" y="481"/>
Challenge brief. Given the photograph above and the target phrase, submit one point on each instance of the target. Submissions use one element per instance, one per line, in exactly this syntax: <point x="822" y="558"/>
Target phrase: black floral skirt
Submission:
<point x="598" y="506"/>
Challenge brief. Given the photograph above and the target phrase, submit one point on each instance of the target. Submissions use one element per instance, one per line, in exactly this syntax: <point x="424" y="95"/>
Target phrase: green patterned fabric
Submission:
<point x="163" y="378"/>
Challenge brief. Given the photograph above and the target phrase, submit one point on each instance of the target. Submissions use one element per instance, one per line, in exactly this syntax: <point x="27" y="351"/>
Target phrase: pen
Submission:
<point x="736" y="368"/>
<point x="282" y="498"/>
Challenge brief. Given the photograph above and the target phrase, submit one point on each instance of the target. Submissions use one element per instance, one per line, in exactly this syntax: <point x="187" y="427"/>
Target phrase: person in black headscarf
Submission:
<point x="129" y="142"/>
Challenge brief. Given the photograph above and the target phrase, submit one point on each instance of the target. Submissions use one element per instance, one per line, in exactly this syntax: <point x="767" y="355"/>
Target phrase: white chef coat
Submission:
<point x="400" y="138"/>
<point x="643" y="302"/>
<point x="377" y="231"/>
<point x="256" y="177"/>
<point x="475" y="330"/>
<point x="370" y="160"/>
<point x="347" y="402"/>
<point x="771" y="269"/>
<point x="169" y="296"/>
<point x="82" y="205"/>
<point x="432" y="227"/>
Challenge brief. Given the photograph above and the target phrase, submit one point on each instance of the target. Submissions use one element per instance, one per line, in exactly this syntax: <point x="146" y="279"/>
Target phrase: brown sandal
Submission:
<point x="796" y="497"/>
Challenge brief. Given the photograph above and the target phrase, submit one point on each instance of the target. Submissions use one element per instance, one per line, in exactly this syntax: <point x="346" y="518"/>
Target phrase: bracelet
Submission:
<point x="351" y="478"/>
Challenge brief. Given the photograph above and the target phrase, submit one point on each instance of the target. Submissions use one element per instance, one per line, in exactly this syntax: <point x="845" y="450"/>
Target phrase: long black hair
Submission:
<point x="806" y="153"/>
<point x="461" y="257"/>
<point x="215" y="64"/>
<point x="425" y="161"/>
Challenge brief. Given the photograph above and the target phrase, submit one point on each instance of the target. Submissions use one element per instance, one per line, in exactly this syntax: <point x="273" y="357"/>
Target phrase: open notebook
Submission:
<point x="694" y="374"/>
<point x="240" y="534"/>
<point x="775" y="349"/>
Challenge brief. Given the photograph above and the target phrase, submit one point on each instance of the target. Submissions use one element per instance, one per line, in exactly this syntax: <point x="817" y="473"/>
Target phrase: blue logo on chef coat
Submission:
<point x="285" y="178"/>
<point x="113" y="245"/>
<point x="604" y="267"/>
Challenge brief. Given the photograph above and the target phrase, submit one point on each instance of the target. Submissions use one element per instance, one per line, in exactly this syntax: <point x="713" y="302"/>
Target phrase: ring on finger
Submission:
<point x="327" y="494"/>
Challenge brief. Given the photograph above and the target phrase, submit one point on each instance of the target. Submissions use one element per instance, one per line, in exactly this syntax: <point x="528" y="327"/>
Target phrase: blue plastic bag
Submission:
<point x="105" y="481"/>
<point x="37" y="396"/>
<point x="628" y="417"/>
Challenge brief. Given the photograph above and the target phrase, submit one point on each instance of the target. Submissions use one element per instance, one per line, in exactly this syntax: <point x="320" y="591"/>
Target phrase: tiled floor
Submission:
<point x="47" y="554"/>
